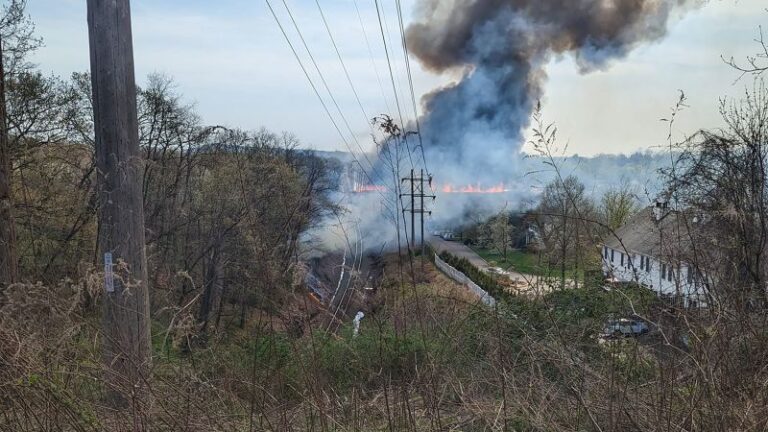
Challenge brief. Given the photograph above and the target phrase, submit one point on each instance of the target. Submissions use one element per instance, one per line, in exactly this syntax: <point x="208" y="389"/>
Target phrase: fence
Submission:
<point x="464" y="280"/>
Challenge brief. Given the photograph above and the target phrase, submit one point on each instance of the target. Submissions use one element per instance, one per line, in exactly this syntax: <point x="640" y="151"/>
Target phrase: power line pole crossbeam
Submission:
<point x="417" y="192"/>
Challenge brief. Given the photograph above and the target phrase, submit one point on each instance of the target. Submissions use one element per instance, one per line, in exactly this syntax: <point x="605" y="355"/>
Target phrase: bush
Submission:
<point x="482" y="279"/>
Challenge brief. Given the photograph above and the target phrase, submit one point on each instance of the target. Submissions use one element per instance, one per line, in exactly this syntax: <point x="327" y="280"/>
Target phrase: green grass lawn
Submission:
<point x="523" y="262"/>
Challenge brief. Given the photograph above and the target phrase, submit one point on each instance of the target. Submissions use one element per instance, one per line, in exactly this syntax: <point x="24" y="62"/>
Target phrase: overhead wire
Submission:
<point x="325" y="83"/>
<point x="401" y="34"/>
<point x="398" y="188"/>
<point x="395" y="63"/>
<point x="407" y="63"/>
<point x="410" y="85"/>
<point x="346" y="70"/>
<point x="382" y="24"/>
<point x="400" y="115"/>
<point x="374" y="172"/>
<point x="330" y="116"/>
<point x="322" y="101"/>
<point x="343" y="65"/>
<point x="410" y="242"/>
<point x="392" y="77"/>
<point x="370" y="53"/>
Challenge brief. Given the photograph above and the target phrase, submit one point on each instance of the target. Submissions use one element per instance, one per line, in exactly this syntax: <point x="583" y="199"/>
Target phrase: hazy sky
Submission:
<point x="230" y="59"/>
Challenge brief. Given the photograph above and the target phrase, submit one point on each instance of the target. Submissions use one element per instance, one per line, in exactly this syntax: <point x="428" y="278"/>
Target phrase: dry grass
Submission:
<point x="430" y="357"/>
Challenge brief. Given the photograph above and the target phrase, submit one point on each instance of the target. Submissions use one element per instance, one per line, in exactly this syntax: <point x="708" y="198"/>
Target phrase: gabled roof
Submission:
<point x="639" y="235"/>
<point x="644" y="235"/>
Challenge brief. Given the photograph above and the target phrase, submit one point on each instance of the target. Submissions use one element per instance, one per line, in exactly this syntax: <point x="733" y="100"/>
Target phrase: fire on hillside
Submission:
<point x="475" y="189"/>
<point x="447" y="188"/>
<point x="364" y="188"/>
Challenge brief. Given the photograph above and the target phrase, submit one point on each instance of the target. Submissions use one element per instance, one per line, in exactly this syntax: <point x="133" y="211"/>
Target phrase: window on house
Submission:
<point x="648" y="265"/>
<point x="690" y="275"/>
<point x="663" y="271"/>
<point x="642" y="262"/>
<point x="622" y="259"/>
<point x="670" y="274"/>
<point x="605" y="252"/>
<point x="612" y="254"/>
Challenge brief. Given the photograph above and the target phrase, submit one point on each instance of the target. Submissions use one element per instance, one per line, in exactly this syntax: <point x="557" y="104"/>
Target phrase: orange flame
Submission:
<point x="369" y="188"/>
<point x="475" y="189"/>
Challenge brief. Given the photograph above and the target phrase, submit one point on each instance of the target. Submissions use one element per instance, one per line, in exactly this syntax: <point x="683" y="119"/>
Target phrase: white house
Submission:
<point x="653" y="250"/>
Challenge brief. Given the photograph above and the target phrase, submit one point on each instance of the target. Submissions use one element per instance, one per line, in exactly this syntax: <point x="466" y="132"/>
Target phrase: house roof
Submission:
<point x="644" y="235"/>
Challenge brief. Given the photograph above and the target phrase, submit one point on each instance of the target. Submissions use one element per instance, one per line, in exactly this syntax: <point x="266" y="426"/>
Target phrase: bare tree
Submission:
<point x="755" y="64"/>
<point x="502" y="231"/>
<point x="15" y="42"/>
<point x="565" y="221"/>
<point x="723" y="176"/>
<point x="617" y="205"/>
<point x="8" y="264"/>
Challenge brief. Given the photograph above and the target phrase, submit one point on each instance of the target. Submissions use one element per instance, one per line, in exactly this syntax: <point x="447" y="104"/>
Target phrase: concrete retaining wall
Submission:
<point x="464" y="280"/>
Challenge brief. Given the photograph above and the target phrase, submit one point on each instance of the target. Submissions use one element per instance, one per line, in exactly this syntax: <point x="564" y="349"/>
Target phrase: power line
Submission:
<point x="410" y="84"/>
<point x="325" y="83"/>
<point x="351" y="84"/>
<point x="395" y="63"/>
<point x="346" y="72"/>
<point x="370" y="53"/>
<point x="338" y="108"/>
<point x="382" y="20"/>
<point x="319" y="97"/>
<point x="392" y="78"/>
<point x="398" y="84"/>
<point x="408" y="69"/>
<point x="343" y="65"/>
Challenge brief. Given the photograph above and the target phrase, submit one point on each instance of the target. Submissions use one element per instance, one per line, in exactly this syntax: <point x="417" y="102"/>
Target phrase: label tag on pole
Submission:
<point x="109" y="279"/>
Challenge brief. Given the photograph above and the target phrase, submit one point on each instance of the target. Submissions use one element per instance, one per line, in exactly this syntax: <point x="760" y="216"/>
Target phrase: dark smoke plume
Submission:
<point x="501" y="48"/>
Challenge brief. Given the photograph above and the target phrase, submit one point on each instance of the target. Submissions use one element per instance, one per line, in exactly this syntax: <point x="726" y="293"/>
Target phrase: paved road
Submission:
<point x="458" y="249"/>
<point x="522" y="281"/>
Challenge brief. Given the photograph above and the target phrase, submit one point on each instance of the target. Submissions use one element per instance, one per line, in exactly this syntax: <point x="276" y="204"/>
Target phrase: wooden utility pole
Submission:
<point x="422" y="195"/>
<point x="413" y="213"/>
<point x="8" y="261"/>
<point x="127" y="349"/>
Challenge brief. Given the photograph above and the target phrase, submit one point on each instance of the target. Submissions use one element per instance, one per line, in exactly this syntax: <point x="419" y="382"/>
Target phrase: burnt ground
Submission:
<point x="343" y="285"/>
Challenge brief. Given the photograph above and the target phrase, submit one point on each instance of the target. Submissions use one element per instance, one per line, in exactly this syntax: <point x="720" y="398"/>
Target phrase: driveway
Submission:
<point x="520" y="282"/>
<point x="460" y="250"/>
